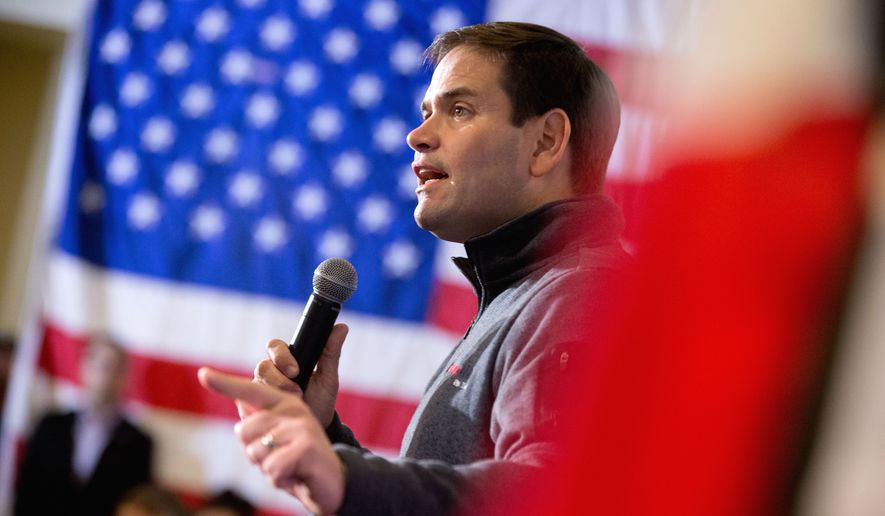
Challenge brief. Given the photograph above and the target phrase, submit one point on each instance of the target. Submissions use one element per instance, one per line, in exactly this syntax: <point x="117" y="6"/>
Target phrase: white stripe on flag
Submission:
<point x="192" y="324"/>
<point x="444" y="268"/>
<point x="640" y="25"/>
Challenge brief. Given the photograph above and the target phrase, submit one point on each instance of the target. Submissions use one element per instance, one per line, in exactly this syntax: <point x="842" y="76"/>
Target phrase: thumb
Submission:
<point x="328" y="362"/>
<point x="239" y="388"/>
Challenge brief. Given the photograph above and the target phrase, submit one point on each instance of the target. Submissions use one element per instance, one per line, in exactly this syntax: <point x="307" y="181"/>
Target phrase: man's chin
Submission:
<point x="435" y="227"/>
<point x="445" y="221"/>
<point x="422" y="218"/>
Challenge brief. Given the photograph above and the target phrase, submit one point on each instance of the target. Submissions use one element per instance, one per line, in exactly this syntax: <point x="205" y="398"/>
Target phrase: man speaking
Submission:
<point x="518" y="127"/>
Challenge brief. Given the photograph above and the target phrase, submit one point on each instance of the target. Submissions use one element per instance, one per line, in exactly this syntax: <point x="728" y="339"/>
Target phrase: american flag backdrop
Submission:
<point x="224" y="148"/>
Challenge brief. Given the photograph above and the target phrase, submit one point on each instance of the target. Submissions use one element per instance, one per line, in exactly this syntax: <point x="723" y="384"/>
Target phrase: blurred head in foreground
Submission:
<point x="226" y="503"/>
<point x="150" y="500"/>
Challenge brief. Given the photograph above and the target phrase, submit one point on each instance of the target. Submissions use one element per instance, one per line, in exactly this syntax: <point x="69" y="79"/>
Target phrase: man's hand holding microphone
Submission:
<point x="287" y="406"/>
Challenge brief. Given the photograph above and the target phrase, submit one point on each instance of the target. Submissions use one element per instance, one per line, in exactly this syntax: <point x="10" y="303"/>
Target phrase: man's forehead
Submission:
<point x="464" y="71"/>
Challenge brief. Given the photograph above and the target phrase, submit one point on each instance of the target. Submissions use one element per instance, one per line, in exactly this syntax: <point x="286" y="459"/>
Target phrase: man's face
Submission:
<point x="103" y="374"/>
<point x="471" y="161"/>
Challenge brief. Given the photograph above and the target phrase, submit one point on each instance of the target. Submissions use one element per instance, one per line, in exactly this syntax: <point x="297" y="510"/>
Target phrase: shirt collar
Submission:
<point x="502" y="257"/>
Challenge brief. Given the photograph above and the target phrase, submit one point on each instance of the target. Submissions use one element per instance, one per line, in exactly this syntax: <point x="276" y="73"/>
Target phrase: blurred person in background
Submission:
<point x="82" y="462"/>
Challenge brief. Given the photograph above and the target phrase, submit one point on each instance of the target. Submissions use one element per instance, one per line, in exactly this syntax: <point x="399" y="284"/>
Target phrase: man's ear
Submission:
<point x="555" y="128"/>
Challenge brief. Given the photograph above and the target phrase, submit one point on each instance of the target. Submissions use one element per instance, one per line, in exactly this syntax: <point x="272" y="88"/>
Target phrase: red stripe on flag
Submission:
<point x="154" y="381"/>
<point x="60" y="354"/>
<point x="172" y="385"/>
<point x="452" y="306"/>
<point x="382" y="421"/>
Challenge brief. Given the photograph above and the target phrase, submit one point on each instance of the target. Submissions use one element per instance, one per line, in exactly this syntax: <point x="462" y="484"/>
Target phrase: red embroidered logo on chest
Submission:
<point x="453" y="371"/>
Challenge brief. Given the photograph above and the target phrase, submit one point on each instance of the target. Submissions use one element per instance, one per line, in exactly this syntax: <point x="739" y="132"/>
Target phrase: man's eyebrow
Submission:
<point x="461" y="91"/>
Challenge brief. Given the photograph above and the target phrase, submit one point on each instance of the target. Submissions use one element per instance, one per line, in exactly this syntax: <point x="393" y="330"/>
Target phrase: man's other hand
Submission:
<point x="283" y="438"/>
<point x="280" y="367"/>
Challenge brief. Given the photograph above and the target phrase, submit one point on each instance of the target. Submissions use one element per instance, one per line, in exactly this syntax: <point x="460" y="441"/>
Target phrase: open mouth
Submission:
<point x="426" y="174"/>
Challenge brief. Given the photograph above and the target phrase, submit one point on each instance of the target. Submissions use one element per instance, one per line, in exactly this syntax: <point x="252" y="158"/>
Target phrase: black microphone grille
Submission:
<point x="335" y="279"/>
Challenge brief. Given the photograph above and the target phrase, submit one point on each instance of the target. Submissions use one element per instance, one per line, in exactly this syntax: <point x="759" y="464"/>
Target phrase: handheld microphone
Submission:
<point x="334" y="281"/>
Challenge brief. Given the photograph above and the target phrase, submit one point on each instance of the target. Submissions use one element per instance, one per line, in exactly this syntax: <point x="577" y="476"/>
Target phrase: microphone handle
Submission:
<point x="310" y="337"/>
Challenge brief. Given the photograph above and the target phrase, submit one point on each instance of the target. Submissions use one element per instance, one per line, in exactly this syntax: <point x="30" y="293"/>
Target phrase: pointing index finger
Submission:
<point x="235" y="387"/>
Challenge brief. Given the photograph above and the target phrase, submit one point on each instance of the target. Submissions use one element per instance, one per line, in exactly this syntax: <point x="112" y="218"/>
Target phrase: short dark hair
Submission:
<point x="542" y="70"/>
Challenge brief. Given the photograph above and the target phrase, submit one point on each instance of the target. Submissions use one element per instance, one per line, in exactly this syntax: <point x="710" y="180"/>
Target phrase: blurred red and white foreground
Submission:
<point x="740" y="373"/>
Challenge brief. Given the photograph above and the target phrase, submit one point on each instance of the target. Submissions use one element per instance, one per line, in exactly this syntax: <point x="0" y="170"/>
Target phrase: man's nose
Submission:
<point x="424" y="137"/>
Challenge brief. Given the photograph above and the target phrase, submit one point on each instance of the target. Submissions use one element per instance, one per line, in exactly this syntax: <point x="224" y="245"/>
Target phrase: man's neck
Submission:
<point x="102" y="410"/>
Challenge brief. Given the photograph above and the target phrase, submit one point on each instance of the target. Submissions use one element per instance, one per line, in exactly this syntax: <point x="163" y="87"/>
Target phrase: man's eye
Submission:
<point x="459" y="111"/>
